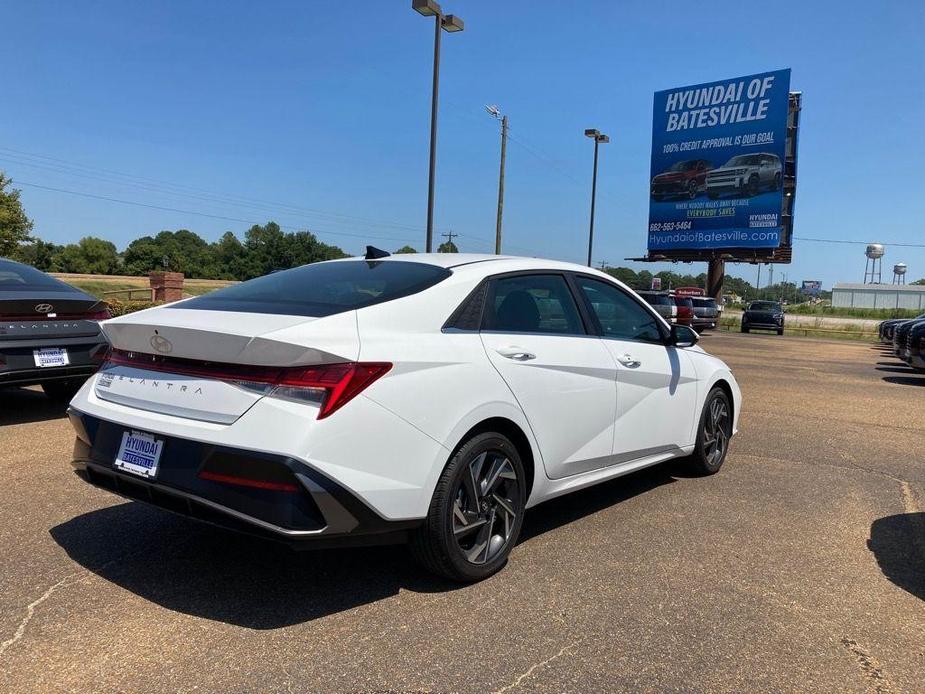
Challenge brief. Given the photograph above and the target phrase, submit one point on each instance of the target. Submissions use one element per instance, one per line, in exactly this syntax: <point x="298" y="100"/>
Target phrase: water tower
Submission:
<point x="899" y="273"/>
<point x="873" y="264"/>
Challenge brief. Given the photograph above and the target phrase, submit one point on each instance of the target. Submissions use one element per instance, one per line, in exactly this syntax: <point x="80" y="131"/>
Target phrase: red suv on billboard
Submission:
<point x="687" y="178"/>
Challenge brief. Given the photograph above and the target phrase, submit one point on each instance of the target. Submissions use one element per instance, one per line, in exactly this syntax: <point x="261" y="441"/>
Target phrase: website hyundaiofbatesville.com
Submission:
<point x="716" y="239"/>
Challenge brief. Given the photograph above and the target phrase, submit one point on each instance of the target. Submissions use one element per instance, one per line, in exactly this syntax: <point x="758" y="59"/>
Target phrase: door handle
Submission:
<point x="628" y="360"/>
<point x="515" y="353"/>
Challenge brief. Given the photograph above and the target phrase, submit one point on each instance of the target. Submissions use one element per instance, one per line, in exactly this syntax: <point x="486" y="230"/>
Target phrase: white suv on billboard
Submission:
<point x="746" y="175"/>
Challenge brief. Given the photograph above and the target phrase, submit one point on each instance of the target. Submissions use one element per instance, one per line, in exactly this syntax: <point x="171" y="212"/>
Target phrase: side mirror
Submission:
<point x="683" y="336"/>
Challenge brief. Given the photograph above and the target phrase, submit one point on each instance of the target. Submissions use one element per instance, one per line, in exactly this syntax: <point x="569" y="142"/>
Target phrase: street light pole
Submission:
<point x="452" y="24"/>
<point x="493" y="110"/>
<point x="598" y="139"/>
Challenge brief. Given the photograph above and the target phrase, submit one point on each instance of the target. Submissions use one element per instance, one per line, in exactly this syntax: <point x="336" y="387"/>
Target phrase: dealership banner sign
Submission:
<point x="718" y="164"/>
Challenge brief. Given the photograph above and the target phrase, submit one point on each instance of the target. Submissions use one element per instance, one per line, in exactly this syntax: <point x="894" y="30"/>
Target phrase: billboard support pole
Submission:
<point x="716" y="271"/>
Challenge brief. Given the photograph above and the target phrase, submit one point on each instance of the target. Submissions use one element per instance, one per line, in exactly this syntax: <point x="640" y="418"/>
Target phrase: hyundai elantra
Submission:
<point x="426" y="398"/>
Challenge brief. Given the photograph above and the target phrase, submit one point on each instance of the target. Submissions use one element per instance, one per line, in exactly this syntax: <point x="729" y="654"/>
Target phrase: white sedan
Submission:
<point x="427" y="398"/>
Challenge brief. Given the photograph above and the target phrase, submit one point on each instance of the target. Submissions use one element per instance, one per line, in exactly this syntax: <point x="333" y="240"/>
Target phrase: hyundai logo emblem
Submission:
<point x="44" y="308"/>
<point x="161" y="344"/>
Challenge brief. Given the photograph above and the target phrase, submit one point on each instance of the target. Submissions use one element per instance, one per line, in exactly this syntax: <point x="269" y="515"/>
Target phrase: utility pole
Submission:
<point x="758" y="285"/>
<point x="603" y="265"/>
<point x="449" y="237"/>
<point x="494" y="111"/>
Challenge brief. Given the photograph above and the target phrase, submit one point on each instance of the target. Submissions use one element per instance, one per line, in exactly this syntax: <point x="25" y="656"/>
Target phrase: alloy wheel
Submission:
<point x="716" y="431"/>
<point x="485" y="507"/>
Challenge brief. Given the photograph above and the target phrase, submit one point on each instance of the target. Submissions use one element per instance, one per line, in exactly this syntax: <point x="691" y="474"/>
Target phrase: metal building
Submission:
<point x="847" y="295"/>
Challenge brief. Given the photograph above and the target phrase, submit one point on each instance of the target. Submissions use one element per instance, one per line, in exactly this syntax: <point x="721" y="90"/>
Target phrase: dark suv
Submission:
<point x="706" y="312"/>
<point x="686" y="178"/>
<point x="763" y="315"/>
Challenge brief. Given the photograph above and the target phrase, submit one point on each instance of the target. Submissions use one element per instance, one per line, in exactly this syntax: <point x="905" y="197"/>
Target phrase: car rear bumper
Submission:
<point x="670" y="188"/>
<point x="17" y="363"/>
<point x="315" y="512"/>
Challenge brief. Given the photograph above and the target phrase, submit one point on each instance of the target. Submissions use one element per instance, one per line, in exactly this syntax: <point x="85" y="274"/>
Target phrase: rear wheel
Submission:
<point x="744" y="328"/>
<point x="62" y="390"/>
<point x="476" y="513"/>
<point x="714" y="433"/>
<point x="780" y="331"/>
<point x="692" y="190"/>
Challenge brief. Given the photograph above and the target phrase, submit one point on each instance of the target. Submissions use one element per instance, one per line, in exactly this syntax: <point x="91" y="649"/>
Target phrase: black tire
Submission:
<point x="711" y="448"/>
<point x="780" y="331"/>
<point x="751" y="189"/>
<point x="62" y="391"/>
<point x="777" y="181"/>
<point x="744" y="329"/>
<point x="441" y="544"/>
<point x="692" y="190"/>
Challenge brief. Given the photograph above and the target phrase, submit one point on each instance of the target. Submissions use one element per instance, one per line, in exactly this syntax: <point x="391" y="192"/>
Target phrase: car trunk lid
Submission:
<point x="213" y="366"/>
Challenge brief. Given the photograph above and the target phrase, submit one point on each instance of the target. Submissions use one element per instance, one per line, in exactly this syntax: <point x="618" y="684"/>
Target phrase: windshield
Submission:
<point x="744" y="160"/>
<point x="323" y="289"/>
<point x="764" y="306"/>
<point x="684" y="166"/>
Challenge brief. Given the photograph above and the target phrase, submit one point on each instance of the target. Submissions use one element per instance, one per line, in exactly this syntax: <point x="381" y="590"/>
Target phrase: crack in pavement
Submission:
<point x="536" y="666"/>
<point x="30" y="608"/>
<point x="870" y="667"/>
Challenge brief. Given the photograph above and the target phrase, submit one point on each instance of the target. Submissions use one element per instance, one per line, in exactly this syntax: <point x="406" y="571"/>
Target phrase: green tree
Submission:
<point x="39" y="254"/>
<point x="15" y="226"/>
<point x="447" y="247"/>
<point x="921" y="281"/>
<point x="89" y="255"/>
<point x="405" y="249"/>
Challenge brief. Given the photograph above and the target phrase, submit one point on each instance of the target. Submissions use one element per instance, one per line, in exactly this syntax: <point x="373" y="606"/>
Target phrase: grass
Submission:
<point x="869" y="313"/>
<point x="98" y="287"/>
<point x="734" y="324"/>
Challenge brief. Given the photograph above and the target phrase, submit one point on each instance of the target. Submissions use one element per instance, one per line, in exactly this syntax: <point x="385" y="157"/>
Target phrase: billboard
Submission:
<point x="718" y="155"/>
<point x="812" y="287"/>
<point x="689" y="291"/>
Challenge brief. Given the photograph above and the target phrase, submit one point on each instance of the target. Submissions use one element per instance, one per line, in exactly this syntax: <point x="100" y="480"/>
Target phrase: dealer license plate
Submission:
<point x="139" y="454"/>
<point x="50" y="356"/>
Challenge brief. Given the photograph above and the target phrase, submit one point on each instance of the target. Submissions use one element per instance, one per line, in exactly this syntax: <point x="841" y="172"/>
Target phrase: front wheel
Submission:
<point x="780" y="331"/>
<point x="476" y="513"/>
<point x="713" y="433"/>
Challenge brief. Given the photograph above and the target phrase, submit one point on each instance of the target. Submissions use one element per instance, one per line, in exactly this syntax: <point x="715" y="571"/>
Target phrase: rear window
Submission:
<point x="18" y="277"/>
<point x="682" y="301"/>
<point x="657" y="299"/>
<point x="704" y="303"/>
<point x="323" y="289"/>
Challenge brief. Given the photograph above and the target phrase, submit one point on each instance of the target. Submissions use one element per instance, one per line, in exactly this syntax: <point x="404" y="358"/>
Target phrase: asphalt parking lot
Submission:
<point x="800" y="566"/>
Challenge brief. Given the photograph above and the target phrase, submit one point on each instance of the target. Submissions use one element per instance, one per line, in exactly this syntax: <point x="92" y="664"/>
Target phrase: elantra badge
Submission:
<point x="44" y="308"/>
<point x="161" y="344"/>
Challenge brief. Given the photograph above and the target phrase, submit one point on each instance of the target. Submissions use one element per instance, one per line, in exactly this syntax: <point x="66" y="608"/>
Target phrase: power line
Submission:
<point x="202" y="214"/>
<point x="860" y="243"/>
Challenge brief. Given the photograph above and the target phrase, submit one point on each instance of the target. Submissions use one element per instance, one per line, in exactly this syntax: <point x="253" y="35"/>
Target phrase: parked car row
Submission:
<point x="907" y="337"/>
<point x="49" y="331"/>
<point x="698" y="312"/>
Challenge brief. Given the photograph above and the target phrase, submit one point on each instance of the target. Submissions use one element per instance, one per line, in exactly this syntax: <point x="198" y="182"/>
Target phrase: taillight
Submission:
<point x="329" y="386"/>
<point x="99" y="315"/>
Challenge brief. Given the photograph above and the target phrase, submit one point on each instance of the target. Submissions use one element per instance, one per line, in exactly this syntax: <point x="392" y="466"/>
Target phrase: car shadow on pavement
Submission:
<point x="207" y="572"/>
<point x="27" y="405"/>
<point x="906" y="380"/>
<point x="898" y="544"/>
<point x="896" y="369"/>
<point x="563" y="510"/>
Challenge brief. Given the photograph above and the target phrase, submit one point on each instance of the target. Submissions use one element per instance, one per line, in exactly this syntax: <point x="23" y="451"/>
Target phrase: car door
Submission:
<point x="656" y="383"/>
<point x="563" y="378"/>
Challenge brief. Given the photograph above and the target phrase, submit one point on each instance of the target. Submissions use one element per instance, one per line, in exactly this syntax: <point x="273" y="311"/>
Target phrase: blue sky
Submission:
<point x="316" y="114"/>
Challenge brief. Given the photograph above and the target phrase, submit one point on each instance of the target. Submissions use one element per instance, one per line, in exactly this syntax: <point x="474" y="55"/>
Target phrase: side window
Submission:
<point x="619" y="314"/>
<point x="533" y="304"/>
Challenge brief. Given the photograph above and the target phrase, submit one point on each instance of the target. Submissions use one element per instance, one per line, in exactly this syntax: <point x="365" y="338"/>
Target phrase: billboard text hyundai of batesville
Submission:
<point x="738" y="127"/>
